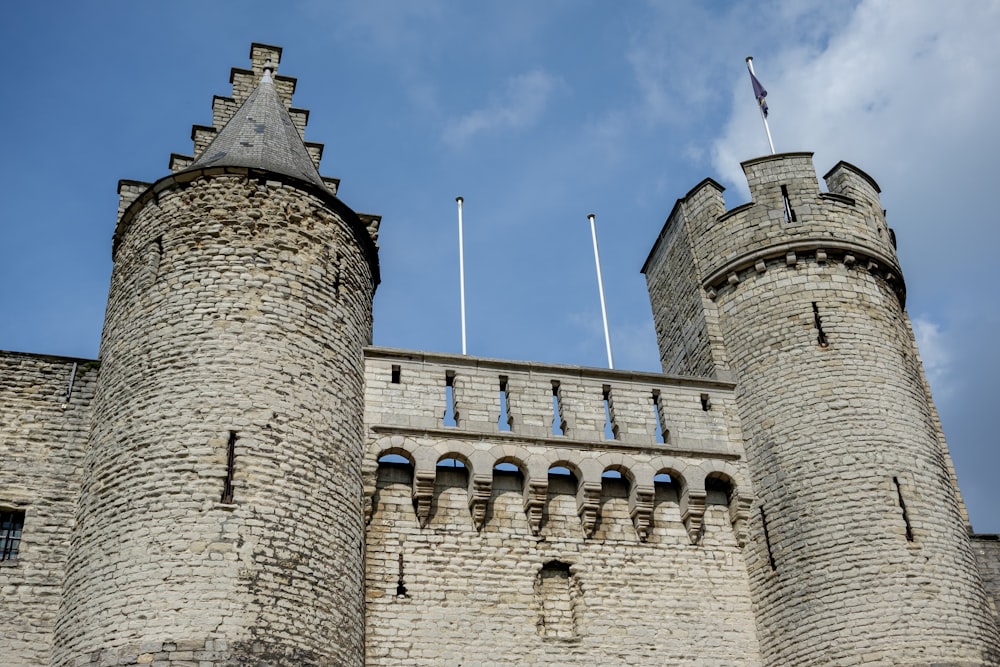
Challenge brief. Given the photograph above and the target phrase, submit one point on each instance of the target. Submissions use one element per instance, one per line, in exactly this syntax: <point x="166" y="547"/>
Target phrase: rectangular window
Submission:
<point x="11" y="525"/>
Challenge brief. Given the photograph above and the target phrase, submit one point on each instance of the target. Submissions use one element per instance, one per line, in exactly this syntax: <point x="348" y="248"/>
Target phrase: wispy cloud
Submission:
<point x="521" y="103"/>
<point x="898" y="75"/>
<point x="934" y="351"/>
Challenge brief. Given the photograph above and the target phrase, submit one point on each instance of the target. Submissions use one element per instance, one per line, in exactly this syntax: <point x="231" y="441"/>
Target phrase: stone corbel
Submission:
<point x="739" y="515"/>
<point x="423" y="494"/>
<point x="588" y="505"/>
<point x="535" y="494"/>
<point x="640" y="509"/>
<point x="480" y="490"/>
<point x="692" y="507"/>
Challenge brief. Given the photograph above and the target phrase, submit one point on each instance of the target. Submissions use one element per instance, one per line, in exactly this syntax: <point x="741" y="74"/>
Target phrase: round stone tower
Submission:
<point x="220" y="519"/>
<point x="861" y="552"/>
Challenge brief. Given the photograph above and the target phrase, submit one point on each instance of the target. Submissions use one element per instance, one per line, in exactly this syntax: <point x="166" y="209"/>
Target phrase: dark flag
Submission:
<point x="759" y="93"/>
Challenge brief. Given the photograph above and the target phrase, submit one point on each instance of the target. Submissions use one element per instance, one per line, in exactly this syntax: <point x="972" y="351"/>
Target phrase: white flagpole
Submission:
<point x="600" y="288"/>
<point x="461" y="268"/>
<point x="762" y="116"/>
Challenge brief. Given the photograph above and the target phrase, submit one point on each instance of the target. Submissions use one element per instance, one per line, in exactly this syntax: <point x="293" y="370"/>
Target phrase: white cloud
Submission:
<point x="935" y="353"/>
<point x="522" y="102"/>
<point x="901" y="78"/>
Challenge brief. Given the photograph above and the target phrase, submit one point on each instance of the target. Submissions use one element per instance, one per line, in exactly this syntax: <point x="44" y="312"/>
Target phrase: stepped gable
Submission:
<point x="261" y="135"/>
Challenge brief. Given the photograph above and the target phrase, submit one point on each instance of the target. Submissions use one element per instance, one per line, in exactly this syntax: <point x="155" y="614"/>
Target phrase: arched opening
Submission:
<point x="560" y="518"/>
<point x="667" y="524"/>
<point x="507" y="502"/>
<point x="719" y="489"/>
<point x="614" y="521"/>
<point x="394" y="467"/>
<point x="393" y="484"/>
<point x="720" y="521"/>
<point x="450" y="503"/>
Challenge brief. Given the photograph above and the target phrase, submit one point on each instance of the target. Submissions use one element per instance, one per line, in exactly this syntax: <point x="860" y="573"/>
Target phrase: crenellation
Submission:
<point x="418" y="402"/>
<point x="178" y="163"/>
<point x="300" y="118"/>
<point x="128" y="191"/>
<point x="315" y="151"/>
<point x="223" y="109"/>
<point x="202" y="136"/>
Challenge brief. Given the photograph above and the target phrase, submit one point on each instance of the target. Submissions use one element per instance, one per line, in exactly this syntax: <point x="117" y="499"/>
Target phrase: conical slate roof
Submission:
<point x="260" y="135"/>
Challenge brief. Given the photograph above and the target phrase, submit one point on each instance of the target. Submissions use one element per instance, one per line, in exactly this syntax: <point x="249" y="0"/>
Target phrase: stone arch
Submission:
<point x="572" y="466"/>
<point x="459" y="451"/>
<point x="738" y="497"/>
<point x="395" y="445"/>
<point x="722" y="470"/>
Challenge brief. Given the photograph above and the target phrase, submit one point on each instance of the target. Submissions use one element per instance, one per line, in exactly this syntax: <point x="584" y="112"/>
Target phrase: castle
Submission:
<point x="242" y="479"/>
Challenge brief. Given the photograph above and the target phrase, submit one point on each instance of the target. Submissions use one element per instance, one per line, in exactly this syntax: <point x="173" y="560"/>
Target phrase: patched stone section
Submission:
<point x="252" y="328"/>
<point x="44" y="409"/>
<point x="865" y="559"/>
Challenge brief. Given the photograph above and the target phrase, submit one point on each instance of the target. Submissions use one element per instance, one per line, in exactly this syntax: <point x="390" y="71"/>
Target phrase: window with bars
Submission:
<point x="11" y="525"/>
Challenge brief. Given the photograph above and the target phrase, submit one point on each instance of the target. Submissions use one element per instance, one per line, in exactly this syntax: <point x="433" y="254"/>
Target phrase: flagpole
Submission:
<point x="767" y="129"/>
<point x="600" y="288"/>
<point x="461" y="268"/>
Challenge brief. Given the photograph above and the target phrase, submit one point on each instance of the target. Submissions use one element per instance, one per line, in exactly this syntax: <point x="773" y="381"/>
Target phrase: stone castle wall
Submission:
<point x="472" y="564"/>
<point x="44" y="416"/>
<point x="245" y="482"/>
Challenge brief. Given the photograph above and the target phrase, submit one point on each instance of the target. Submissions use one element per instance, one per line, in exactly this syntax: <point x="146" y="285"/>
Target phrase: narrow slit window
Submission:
<point x="336" y="272"/>
<point x="227" y="487"/>
<point x="902" y="506"/>
<point x="450" y="415"/>
<point x="400" y="583"/>
<point x="662" y="434"/>
<point x="818" y="322"/>
<point x="558" y="423"/>
<point x="11" y="526"/>
<point x="396" y="374"/>
<point x="610" y="427"/>
<point x="505" y="422"/>
<point x="767" y="539"/>
<point x="789" y="211"/>
<point x="706" y="402"/>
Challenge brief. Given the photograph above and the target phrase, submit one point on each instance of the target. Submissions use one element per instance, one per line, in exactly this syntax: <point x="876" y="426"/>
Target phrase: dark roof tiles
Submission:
<point x="261" y="135"/>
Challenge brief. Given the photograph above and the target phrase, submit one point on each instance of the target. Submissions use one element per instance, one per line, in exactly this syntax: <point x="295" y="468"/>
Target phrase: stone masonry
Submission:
<point x="241" y="479"/>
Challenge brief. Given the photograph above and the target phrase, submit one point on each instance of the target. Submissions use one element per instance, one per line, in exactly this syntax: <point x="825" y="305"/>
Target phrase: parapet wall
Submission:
<point x="44" y="408"/>
<point x="522" y="544"/>
<point x="418" y="400"/>
<point x="789" y="219"/>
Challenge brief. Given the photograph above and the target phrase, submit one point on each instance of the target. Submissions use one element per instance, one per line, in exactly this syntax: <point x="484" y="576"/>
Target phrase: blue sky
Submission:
<point x="537" y="114"/>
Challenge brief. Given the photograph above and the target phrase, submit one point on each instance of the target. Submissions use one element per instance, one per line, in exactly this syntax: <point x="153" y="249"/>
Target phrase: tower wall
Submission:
<point x="239" y="307"/>
<point x="686" y="320"/>
<point x="860" y="552"/>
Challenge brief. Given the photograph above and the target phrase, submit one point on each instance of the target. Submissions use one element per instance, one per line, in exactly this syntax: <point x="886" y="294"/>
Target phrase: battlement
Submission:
<point x="788" y="220"/>
<point x="483" y="412"/>
<point x="625" y="410"/>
